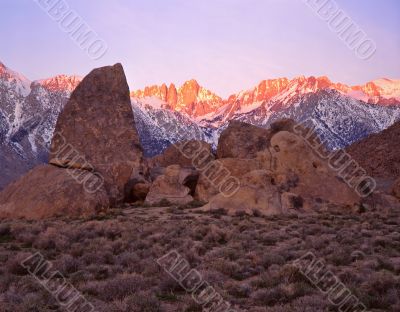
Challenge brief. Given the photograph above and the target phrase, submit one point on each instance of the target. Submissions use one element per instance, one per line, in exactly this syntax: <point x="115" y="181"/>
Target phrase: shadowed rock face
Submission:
<point x="98" y="128"/>
<point x="48" y="191"/>
<point x="173" y="186"/>
<point x="186" y="153"/>
<point x="379" y="154"/>
<point x="242" y="140"/>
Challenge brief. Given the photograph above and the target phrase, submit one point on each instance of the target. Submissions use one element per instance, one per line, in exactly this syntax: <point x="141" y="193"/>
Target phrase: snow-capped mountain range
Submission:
<point x="168" y="114"/>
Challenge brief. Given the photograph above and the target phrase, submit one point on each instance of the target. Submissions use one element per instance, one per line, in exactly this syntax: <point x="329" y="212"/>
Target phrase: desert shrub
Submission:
<point x="272" y="258"/>
<point x="5" y="233"/>
<point x="384" y="264"/>
<point x="269" y="296"/>
<point x="257" y="213"/>
<point x="6" y="280"/>
<point x="229" y="268"/>
<point x="13" y="264"/>
<point x="219" y="212"/>
<point x="194" y="204"/>
<point x="340" y="256"/>
<point x="269" y="239"/>
<point x="49" y="240"/>
<point x="67" y="264"/>
<point x="116" y="288"/>
<point x="238" y="290"/>
<point x="216" y="236"/>
<point x="163" y="203"/>
<point x="144" y="301"/>
<point x="128" y="260"/>
<point x="380" y="291"/>
<point x="290" y="274"/>
<point x="265" y="280"/>
<point x="168" y="285"/>
<point x="191" y="306"/>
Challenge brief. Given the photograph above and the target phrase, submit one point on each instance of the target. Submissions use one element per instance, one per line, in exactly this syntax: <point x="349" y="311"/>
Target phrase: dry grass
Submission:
<point x="111" y="260"/>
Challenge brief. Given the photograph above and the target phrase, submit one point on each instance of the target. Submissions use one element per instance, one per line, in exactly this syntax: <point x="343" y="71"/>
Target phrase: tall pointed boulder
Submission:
<point x="96" y="130"/>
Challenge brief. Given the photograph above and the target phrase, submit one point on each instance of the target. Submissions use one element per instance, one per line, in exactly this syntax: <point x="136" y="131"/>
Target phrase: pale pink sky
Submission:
<point x="227" y="45"/>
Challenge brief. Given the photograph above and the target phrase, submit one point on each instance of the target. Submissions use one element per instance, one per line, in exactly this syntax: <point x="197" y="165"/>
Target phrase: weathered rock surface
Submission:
<point x="379" y="154"/>
<point x="70" y="164"/>
<point x="96" y="128"/>
<point x="48" y="191"/>
<point x="256" y="196"/>
<point x="138" y="192"/>
<point x="242" y="140"/>
<point x="298" y="169"/>
<point x="213" y="178"/>
<point x="175" y="186"/>
<point x="187" y="154"/>
<point x="287" y="176"/>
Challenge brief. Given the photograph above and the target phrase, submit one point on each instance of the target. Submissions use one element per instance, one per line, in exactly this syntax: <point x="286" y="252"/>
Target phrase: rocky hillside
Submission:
<point x="379" y="154"/>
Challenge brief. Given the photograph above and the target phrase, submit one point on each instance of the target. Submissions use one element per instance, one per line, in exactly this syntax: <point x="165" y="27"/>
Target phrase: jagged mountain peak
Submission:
<point x="60" y="83"/>
<point x="14" y="80"/>
<point x="189" y="98"/>
<point x="191" y="82"/>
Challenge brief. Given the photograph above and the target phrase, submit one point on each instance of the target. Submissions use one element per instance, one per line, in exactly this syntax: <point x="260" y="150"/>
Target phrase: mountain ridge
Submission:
<point x="382" y="92"/>
<point x="168" y="114"/>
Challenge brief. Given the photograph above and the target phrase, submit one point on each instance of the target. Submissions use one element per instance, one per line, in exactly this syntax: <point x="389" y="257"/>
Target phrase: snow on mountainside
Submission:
<point x="165" y="115"/>
<point x="60" y="83"/>
<point x="28" y="114"/>
<point x="14" y="88"/>
<point x="381" y="91"/>
<point x="14" y="80"/>
<point x="159" y="127"/>
<point x="339" y="119"/>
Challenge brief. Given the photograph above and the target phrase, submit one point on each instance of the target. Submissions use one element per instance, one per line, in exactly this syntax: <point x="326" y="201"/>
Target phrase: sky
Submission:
<point x="226" y="45"/>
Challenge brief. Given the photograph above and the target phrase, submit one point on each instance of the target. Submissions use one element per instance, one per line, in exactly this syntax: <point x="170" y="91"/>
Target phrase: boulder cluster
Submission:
<point x="96" y="162"/>
<point x="95" y="154"/>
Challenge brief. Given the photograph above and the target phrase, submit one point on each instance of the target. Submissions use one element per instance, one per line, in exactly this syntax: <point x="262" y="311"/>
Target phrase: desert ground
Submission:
<point x="112" y="259"/>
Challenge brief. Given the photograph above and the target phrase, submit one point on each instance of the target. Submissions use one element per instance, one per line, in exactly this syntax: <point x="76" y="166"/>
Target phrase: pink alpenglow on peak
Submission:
<point x="60" y="83"/>
<point x="190" y="98"/>
<point x="197" y="102"/>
